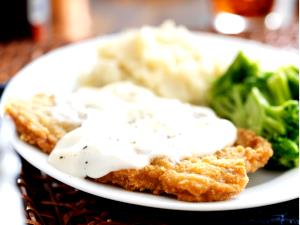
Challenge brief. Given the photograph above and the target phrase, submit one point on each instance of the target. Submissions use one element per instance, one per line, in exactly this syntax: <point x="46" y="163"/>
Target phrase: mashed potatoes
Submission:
<point x="165" y="59"/>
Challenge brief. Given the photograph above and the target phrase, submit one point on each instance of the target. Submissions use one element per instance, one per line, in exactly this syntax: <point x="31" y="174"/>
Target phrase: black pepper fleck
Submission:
<point x="84" y="147"/>
<point x="131" y="121"/>
<point x="61" y="157"/>
<point x="138" y="151"/>
<point x="198" y="115"/>
<point x="86" y="162"/>
<point x="170" y="136"/>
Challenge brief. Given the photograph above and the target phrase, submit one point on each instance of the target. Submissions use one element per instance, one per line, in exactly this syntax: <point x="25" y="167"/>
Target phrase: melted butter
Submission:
<point x="124" y="126"/>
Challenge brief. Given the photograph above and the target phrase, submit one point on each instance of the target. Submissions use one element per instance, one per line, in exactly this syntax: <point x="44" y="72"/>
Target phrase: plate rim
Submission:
<point x="101" y="38"/>
<point x="188" y="206"/>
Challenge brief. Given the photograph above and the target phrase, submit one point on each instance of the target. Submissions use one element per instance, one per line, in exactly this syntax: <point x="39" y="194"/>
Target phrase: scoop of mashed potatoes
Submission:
<point x="165" y="59"/>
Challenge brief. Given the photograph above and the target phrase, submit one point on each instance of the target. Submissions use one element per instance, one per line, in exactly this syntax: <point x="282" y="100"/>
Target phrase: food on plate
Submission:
<point x="165" y="59"/>
<point x="265" y="102"/>
<point x="123" y="134"/>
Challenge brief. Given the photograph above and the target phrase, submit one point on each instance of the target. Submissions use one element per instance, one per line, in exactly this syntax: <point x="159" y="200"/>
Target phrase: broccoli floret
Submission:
<point x="266" y="119"/>
<point x="229" y="92"/>
<point x="292" y="74"/>
<point x="278" y="124"/>
<point x="286" y="154"/>
<point x="278" y="87"/>
<point x="283" y="85"/>
<point x="241" y="71"/>
<point x="265" y="102"/>
<point x="230" y="106"/>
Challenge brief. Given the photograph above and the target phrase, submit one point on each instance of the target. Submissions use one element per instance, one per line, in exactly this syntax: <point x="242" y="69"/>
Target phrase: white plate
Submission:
<point x="57" y="72"/>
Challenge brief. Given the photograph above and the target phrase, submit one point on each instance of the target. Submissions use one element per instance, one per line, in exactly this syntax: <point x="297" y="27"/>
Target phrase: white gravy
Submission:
<point x="124" y="126"/>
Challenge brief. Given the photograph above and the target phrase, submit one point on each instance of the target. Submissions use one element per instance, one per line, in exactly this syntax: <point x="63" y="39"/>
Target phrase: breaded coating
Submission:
<point x="35" y="123"/>
<point x="199" y="179"/>
<point x="256" y="150"/>
<point x="195" y="179"/>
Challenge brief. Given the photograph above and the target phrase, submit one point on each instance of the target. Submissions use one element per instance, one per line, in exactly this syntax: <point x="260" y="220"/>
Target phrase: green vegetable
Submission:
<point x="292" y="74"/>
<point x="286" y="155"/>
<point x="265" y="102"/>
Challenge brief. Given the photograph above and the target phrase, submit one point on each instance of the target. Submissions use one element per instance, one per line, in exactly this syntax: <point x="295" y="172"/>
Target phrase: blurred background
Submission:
<point x="29" y="28"/>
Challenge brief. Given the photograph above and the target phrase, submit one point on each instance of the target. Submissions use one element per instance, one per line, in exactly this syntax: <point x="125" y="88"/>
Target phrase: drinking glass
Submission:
<point x="236" y="16"/>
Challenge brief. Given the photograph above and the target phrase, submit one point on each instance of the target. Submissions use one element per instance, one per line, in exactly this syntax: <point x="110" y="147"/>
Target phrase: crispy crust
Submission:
<point x="195" y="179"/>
<point x="35" y="123"/>
<point x="209" y="178"/>
<point x="256" y="150"/>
